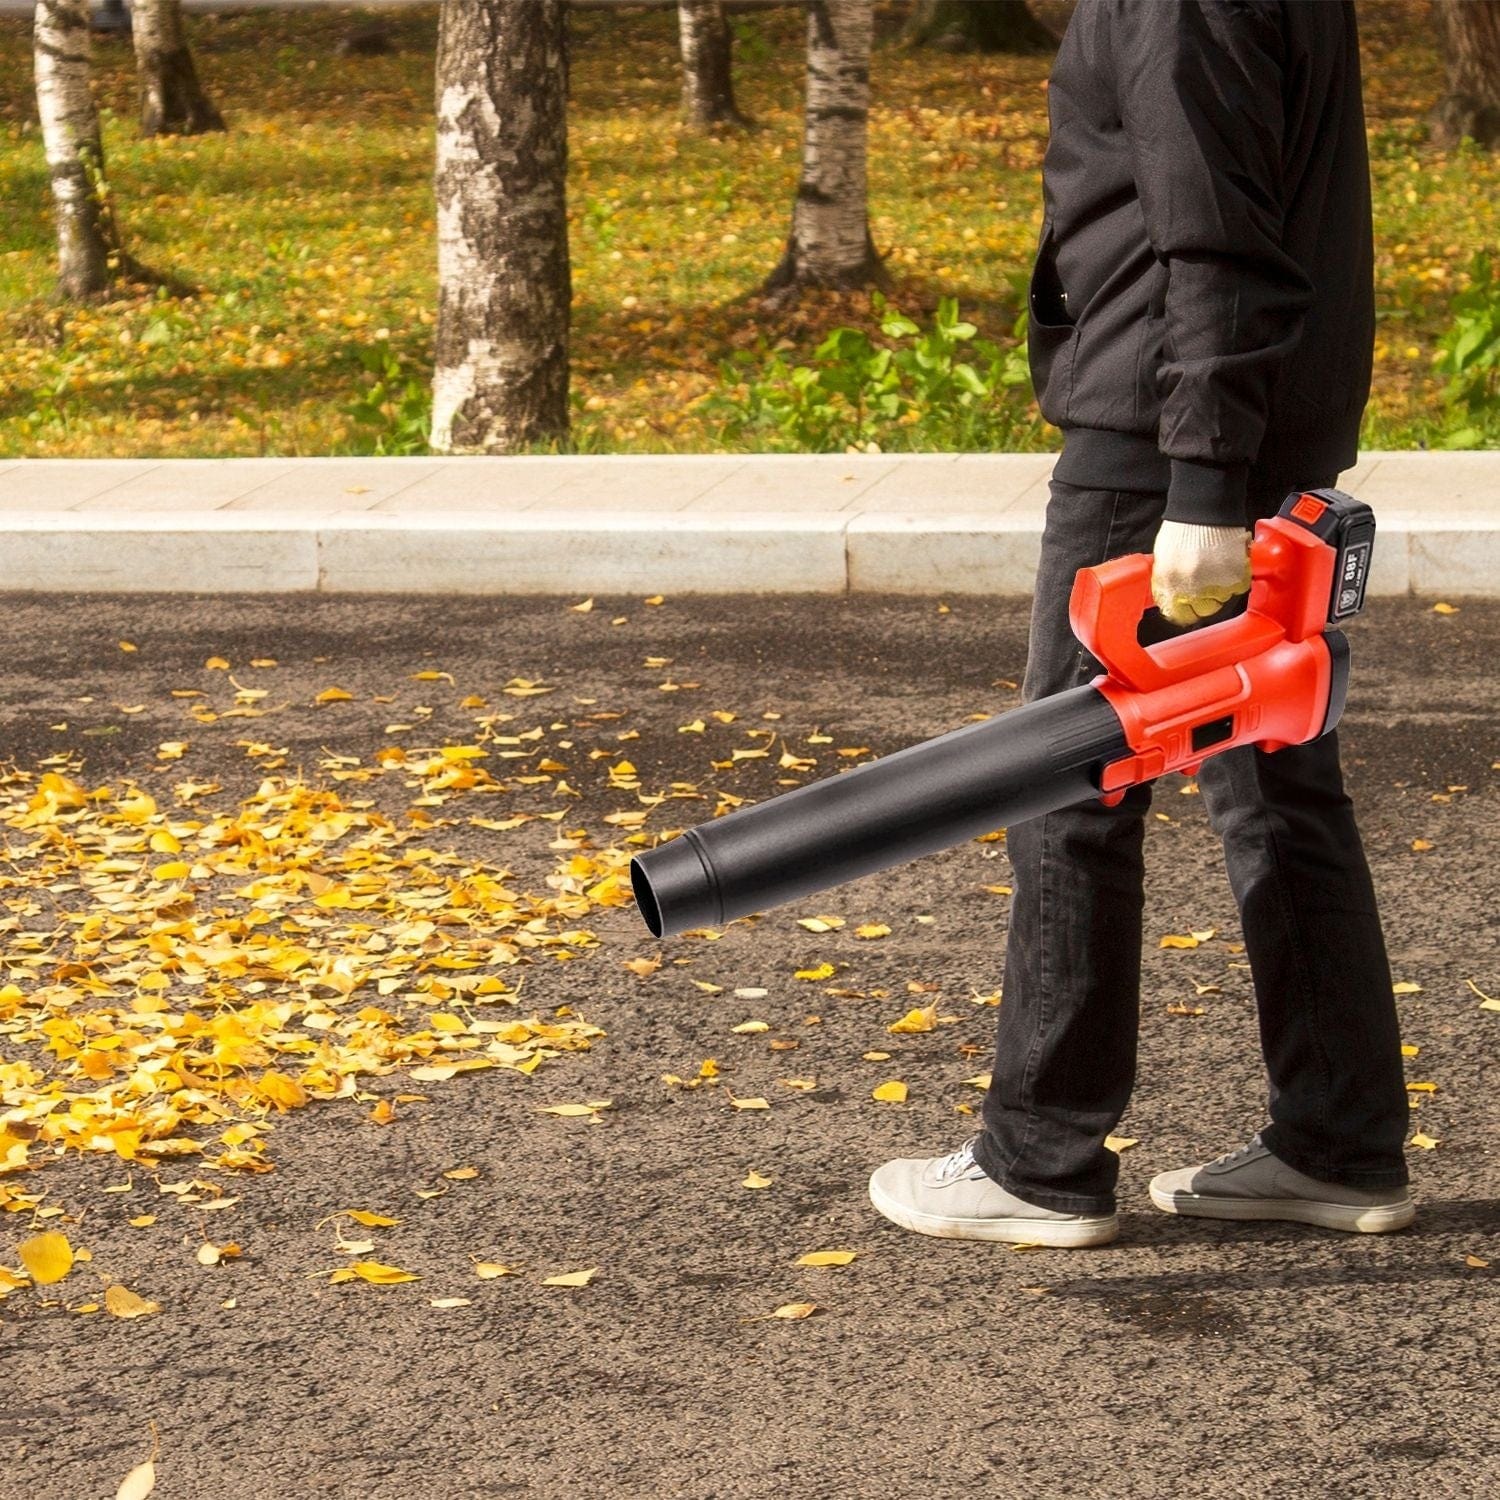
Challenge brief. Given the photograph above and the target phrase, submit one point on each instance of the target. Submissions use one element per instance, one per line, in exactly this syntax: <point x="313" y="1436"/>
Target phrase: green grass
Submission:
<point x="308" y="231"/>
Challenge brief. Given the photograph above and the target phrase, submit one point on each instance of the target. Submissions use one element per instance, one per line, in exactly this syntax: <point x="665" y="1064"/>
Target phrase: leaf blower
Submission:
<point x="1272" y="676"/>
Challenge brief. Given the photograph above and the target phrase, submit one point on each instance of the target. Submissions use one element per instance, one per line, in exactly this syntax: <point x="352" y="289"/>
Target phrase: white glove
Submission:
<point x="1198" y="569"/>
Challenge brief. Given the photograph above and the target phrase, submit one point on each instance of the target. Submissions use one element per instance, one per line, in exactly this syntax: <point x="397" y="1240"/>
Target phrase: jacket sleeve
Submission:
<point x="1200" y="99"/>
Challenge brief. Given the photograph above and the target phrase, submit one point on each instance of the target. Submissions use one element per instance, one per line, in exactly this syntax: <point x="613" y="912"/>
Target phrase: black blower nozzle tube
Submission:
<point x="1032" y="760"/>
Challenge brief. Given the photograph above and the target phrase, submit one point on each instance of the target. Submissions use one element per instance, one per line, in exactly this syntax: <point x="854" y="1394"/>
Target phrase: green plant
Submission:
<point x="1469" y="355"/>
<point x="942" y="387"/>
<point x="393" y="413"/>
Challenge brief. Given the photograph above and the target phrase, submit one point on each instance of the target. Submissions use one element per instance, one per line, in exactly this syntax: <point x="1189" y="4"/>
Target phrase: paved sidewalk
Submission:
<point x="716" y="523"/>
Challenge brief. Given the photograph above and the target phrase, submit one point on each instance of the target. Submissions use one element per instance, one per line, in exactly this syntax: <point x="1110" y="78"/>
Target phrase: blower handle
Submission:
<point x="1302" y="566"/>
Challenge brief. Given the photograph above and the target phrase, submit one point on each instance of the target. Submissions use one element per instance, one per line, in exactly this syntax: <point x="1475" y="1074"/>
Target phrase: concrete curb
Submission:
<point x="924" y="524"/>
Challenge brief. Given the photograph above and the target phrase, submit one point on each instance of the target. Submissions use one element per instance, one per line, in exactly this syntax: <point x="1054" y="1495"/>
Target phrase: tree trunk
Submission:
<point x="707" y="54"/>
<point x="830" y="242"/>
<point x="1471" y="48"/>
<point x="504" y="281"/>
<point x="977" y="26"/>
<point x="172" y="99"/>
<point x="88" y="248"/>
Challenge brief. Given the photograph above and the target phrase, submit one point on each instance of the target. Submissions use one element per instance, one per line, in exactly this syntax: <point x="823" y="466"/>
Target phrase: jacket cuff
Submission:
<point x="1207" y="494"/>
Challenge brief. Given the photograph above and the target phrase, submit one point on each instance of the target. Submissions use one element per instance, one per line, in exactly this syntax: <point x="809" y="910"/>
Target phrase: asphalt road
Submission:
<point x="1189" y="1358"/>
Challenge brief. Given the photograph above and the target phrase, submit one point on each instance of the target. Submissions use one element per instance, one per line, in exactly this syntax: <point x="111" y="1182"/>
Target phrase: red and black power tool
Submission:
<point x="1272" y="676"/>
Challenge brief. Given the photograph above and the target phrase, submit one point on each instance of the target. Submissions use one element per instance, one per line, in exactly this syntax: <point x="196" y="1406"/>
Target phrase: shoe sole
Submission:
<point x="1059" y="1234"/>
<point x="1378" y="1218"/>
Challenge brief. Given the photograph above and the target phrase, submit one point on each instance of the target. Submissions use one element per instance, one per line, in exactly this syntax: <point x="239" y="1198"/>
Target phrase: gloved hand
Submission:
<point x="1197" y="569"/>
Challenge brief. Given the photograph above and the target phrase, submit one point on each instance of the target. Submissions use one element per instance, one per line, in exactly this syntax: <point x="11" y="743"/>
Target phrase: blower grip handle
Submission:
<point x="1108" y="600"/>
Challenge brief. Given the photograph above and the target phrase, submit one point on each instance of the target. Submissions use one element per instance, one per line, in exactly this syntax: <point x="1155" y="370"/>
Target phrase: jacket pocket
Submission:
<point x="1052" y="337"/>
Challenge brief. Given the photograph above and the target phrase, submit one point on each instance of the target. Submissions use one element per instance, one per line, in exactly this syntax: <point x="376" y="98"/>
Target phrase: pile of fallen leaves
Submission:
<point x="170" y="979"/>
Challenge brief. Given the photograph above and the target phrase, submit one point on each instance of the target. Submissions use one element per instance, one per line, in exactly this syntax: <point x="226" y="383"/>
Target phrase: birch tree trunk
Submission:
<point x="1471" y="49"/>
<point x="830" y="242"/>
<point x="707" y="57"/>
<point x="504" y="281"/>
<point x="172" y="99"/>
<point x="88" y="248"/>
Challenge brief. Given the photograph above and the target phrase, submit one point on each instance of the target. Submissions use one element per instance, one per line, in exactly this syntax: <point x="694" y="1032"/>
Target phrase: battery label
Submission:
<point x="1354" y="564"/>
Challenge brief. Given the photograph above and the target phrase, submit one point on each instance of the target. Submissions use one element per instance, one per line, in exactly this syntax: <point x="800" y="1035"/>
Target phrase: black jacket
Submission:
<point x="1202" y="305"/>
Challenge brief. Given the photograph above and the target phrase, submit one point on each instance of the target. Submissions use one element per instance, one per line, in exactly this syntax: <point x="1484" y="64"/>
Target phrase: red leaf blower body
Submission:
<point x="1273" y="676"/>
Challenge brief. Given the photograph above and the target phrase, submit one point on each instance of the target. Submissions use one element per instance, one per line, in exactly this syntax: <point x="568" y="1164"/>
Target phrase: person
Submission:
<point x="1201" y="329"/>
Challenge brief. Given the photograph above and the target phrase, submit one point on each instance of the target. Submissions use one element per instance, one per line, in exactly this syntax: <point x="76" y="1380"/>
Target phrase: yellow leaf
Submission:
<point x="794" y="1310"/>
<point x="124" y="1303"/>
<point x="755" y="1180"/>
<point x="383" y="1113"/>
<point x="979" y="1080"/>
<point x="442" y="1021"/>
<point x="1426" y="1142"/>
<point x="1444" y="609"/>
<point x="573" y="1278"/>
<point x="826" y="1258"/>
<point x="127" y="646"/>
<point x="369" y="1220"/>
<point x="47" y="1257"/>
<point x="1421" y="845"/>
<point x="450" y="1302"/>
<point x="175" y="869"/>
<point x="490" y="1270"/>
<point x="708" y="1068"/>
<point x="138" y="1483"/>
<point x="820" y="924"/>
<point x="924" y="1018"/>
<point x="1475" y="1262"/>
<point x="1118" y="1143"/>
<point x="872" y="930"/>
<point x="998" y="890"/>
<point x="333" y="695"/>
<point x="1180" y="940"/>
<point x="823" y="971"/>
<point x="707" y="988"/>
<point x="216" y="664"/>
<point x="1409" y="1049"/>
<point x="893" y="1092"/>
<point x="576" y="1111"/>
<point x="1406" y="987"/>
<point x="462" y="1174"/>
<point x="756" y="1103"/>
<point x="875" y="1056"/>
<point x="283" y="1092"/>
<point x="750" y="1028"/>
<point x="1421" y="1088"/>
<point x="372" y="1270"/>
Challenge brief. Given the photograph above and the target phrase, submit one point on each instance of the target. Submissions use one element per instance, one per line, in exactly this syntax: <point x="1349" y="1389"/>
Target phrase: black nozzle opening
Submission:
<point x="645" y="898"/>
<point x="675" y="886"/>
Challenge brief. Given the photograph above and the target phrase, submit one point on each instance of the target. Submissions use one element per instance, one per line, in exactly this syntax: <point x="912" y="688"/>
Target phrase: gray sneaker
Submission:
<point x="1251" y="1183"/>
<point x="952" y="1197"/>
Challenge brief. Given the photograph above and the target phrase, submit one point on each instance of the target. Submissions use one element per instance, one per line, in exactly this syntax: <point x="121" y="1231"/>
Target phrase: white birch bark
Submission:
<point x="830" y="242"/>
<point x="504" y="283"/>
<point x="75" y="156"/>
<point x="172" y="98"/>
<point x="707" y="59"/>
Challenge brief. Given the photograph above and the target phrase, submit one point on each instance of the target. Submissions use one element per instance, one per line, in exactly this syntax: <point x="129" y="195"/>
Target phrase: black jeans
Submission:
<point x="1065" y="1052"/>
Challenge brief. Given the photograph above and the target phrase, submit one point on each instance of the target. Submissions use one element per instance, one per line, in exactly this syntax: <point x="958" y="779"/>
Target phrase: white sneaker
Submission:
<point x="1251" y="1183"/>
<point x="952" y="1197"/>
